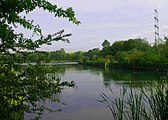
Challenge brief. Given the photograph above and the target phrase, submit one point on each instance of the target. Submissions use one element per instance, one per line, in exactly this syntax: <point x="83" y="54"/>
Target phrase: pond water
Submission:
<point x="81" y="103"/>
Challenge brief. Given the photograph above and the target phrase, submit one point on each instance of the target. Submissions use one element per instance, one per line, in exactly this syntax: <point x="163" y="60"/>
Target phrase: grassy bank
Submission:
<point x="95" y="64"/>
<point x="151" y="67"/>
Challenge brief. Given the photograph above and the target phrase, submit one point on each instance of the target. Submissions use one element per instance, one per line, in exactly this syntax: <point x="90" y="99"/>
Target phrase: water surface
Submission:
<point x="81" y="103"/>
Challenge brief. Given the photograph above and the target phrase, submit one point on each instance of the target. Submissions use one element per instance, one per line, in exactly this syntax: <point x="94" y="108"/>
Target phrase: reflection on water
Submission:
<point x="81" y="102"/>
<point x="132" y="78"/>
<point x="39" y="89"/>
<point x="24" y="89"/>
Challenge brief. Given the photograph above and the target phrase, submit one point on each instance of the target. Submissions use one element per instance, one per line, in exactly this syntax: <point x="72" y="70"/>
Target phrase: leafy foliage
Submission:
<point x="10" y="15"/>
<point x="21" y="92"/>
<point x="22" y="88"/>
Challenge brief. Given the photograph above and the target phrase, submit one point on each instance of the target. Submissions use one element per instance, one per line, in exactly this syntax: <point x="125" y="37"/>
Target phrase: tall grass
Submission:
<point x="157" y="98"/>
<point x="150" y="103"/>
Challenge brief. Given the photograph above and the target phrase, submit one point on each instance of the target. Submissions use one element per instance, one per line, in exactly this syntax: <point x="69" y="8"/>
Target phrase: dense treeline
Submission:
<point x="132" y="51"/>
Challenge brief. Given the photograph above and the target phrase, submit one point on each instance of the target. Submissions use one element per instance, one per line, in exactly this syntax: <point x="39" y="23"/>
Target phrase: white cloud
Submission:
<point x="136" y="35"/>
<point x="149" y="31"/>
<point x="101" y="19"/>
<point x="165" y="27"/>
<point x="106" y="17"/>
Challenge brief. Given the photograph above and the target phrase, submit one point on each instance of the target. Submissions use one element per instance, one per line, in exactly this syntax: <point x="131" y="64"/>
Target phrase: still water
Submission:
<point x="81" y="103"/>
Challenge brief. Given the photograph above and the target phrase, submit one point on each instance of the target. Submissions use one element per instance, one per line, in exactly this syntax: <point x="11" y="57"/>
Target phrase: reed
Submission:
<point x="157" y="98"/>
<point x="150" y="103"/>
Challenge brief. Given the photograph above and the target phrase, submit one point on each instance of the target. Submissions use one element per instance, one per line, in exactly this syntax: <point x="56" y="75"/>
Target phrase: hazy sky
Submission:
<point x="104" y="19"/>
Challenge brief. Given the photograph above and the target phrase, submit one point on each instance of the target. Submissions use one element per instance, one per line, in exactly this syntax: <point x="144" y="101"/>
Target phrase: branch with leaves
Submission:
<point x="10" y="16"/>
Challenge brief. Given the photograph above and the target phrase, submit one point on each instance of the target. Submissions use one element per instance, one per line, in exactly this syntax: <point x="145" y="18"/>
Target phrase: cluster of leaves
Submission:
<point x="10" y="16"/>
<point x="21" y="88"/>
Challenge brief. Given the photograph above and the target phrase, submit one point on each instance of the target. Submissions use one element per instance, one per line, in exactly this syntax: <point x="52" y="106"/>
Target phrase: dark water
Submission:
<point x="81" y="103"/>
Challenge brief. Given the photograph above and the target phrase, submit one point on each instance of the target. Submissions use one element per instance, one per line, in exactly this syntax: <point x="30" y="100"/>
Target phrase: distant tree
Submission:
<point x="106" y="44"/>
<point x="166" y="40"/>
<point x="122" y="57"/>
<point x="117" y="46"/>
<point x="70" y="56"/>
<point x="78" y="56"/>
<point x="62" y="53"/>
<point x="58" y="55"/>
<point x="151" y="56"/>
<point x="93" y="54"/>
<point x="106" y="48"/>
<point x="136" y="57"/>
<point x="140" y="44"/>
<point x="162" y="51"/>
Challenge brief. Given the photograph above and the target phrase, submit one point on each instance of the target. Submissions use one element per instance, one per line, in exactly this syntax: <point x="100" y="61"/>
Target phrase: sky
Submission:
<point x="112" y="20"/>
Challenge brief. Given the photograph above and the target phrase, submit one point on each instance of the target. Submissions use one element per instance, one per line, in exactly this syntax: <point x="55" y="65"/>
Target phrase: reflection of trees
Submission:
<point x="107" y="78"/>
<point x="20" y="91"/>
<point x="129" y="77"/>
<point x="55" y="71"/>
